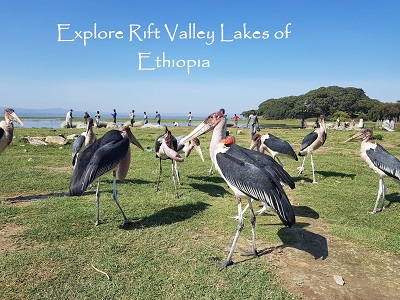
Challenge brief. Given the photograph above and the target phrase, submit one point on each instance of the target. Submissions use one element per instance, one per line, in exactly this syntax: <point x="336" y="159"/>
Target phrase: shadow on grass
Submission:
<point x="299" y="238"/>
<point x="392" y="198"/>
<point x="168" y="216"/>
<point x="34" y="197"/>
<point x="305" y="211"/>
<point x="209" y="178"/>
<point x="210" y="189"/>
<point x="308" y="177"/>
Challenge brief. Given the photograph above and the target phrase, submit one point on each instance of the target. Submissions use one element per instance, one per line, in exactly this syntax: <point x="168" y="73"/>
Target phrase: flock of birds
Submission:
<point x="250" y="174"/>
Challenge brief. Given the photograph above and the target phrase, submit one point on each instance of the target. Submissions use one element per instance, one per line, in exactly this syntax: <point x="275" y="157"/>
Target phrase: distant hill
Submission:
<point x="45" y="112"/>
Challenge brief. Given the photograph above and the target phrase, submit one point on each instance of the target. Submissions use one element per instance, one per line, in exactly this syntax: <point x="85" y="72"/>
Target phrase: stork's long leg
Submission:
<point x="301" y="169"/>
<point x="98" y="203"/>
<point x="253" y="228"/>
<point x="177" y="172"/>
<point x="173" y="178"/>
<point x="126" y="220"/>
<point x="159" y="176"/>
<point x="228" y="261"/>
<point x="381" y="192"/>
<point x="312" y="166"/>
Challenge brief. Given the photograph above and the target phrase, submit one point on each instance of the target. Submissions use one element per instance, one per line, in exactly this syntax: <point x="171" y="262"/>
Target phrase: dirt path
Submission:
<point x="308" y="268"/>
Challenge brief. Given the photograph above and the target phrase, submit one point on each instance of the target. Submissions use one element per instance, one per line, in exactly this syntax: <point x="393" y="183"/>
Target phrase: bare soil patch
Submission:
<point x="307" y="269"/>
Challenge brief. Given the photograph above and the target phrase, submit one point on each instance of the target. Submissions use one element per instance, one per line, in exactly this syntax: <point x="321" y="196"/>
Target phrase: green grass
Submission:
<point x="173" y="248"/>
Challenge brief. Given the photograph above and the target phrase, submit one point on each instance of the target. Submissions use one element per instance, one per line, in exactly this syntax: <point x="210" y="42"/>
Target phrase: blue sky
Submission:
<point x="309" y="44"/>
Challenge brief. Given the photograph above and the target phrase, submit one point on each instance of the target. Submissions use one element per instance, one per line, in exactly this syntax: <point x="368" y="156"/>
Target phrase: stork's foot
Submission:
<point x="126" y="223"/>
<point x="314" y="181"/>
<point x="300" y="170"/>
<point x="372" y="212"/>
<point x="225" y="263"/>
<point x="261" y="211"/>
<point x="252" y="252"/>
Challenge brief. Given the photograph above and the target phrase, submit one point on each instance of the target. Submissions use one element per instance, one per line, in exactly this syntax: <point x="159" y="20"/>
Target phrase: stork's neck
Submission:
<point x="218" y="134"/>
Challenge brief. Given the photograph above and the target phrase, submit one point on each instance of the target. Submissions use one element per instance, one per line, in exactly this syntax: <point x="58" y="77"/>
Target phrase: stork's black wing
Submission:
<point x="385" y="161"/>
<point x="97" y="159"/>
<point x="278" y="145"/>
<point x="76" y="146"/>
<point x="255" y="182"/>
<point x="308" y="140"/>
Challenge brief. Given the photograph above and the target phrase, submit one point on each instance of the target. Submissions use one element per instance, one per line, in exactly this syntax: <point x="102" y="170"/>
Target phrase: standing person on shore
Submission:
<point x="158" y="118"/>
<point x="97" y="117"/>
<point x="145" y="118"/>
<point x="190" y="117"/>
<point x="114" y="115"/>
<point x="236" y="119"/>
<point x="253" y="120"/>
<point x="68" y="119"/>
<point x="132" y="116"/>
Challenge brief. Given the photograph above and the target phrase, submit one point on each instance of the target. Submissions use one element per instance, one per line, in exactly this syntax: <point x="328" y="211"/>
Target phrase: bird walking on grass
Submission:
<point x="250" y="175"/>
<point x="110" y="153"/>
<point x="380" y="161"/>
<point x="312" y="142"/>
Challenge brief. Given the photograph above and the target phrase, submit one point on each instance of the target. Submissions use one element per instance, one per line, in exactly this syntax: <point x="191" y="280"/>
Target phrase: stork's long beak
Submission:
<point x="15" y="118"/>
<point x="202" y="128"/>
<point x="199" y="152"/>
<point x="133" y="140"/>
<point x="171" y="153"/>
<point x="357" y="136"/>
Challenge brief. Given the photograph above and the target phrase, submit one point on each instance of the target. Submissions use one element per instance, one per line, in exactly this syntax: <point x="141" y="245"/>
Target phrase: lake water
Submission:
<point x="57" y="122"/>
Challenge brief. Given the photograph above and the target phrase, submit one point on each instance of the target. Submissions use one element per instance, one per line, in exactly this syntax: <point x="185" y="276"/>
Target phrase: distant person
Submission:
<point x="236" y="119"/>
<point x="132" y="116"/>
<point x="97" y="118"/>
<point x="114" y="115"/>
<point x="68" y="119"/>
<point x="303" y="123"/>
<point x="253" y="120"/>
<point x="86" y="116"/>
<point x="361" y="123"/>
<point x="190" y="117"/>
<point x="145" y="118"/>
<point x="158" y="118"/>
<point x="316" y="123"/>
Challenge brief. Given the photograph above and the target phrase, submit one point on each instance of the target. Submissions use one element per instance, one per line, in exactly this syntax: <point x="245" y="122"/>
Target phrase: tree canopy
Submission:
<point x="328" y="101"/>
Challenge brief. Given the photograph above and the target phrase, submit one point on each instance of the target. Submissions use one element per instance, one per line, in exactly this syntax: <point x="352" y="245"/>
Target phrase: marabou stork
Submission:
<point x="311" y="142"/>
<point x="166" y="147"/>
<point x="7" y="128"/>
<point x="380" y="161"/>
<point x="249" y="174"/>
<point x="109" y="153"/>
<point x="274" y="145"/>
<point x="83" y="141"/>
<point x="216" y="122"/>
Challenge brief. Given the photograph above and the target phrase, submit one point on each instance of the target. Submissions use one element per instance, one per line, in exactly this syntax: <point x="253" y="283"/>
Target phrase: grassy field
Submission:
<point x="50" y="246"/>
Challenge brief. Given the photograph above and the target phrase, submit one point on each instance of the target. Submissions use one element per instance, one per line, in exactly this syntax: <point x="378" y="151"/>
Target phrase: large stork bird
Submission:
<point x="166" y="147"/>
<point x="380" y="161"/>
<point x="312" y="142"/>
<point x="274" y="145"/>
<point x="7" y="128"/>
<point x="109" y="153"/>
<point x="83" y="141"/>
<point x="250" y="174"/>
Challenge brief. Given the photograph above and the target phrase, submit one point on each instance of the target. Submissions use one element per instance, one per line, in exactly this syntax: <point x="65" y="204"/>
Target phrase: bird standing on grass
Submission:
<point x="166" y="148"/>
<point x="274" y="145"/>
<point x="109" y="153"/>
<point x="83" y="141"/>
<point x="249" y="174"/>
<point x="312" y="142"/>
<point x="380" y="161"/>
<point x="7" y="128"/>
